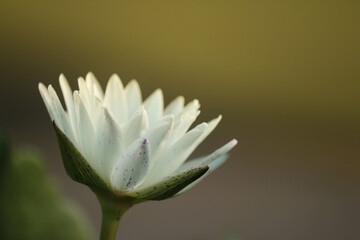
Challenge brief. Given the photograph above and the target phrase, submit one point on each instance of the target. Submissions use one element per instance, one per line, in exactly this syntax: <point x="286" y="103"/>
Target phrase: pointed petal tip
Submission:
<point x="233" y="142"/>
<point x="64" y="84"/>
<point x="50" y="88"/>
<point x="200" y="128"/>
<point x="41" y="86"/>
<point x="76" y="94"/>
<point x="196" y="102"/>
<point x="90" y="74"/>
<point x="227" y="147"/>
<point x="133" y="82"/>
<point x="181" y="98"/>
<point x="115" y="79"/>
<point x="62" y="78"/>
<point x="216" y="120"/>
<point x="114" y="76"/>
<point x="158" y="91"/>
<point x="81" y="81"/>
<point x="203" y="125"/>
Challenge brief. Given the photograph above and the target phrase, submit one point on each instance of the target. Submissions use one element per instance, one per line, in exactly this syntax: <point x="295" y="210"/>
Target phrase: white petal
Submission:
<point x="115" y="99"/>
<point x="84" y="94"/>
<point x="47" y="100"/>
<point x="69" y="102"/>
<point x="132" y="167"/>
<point x="60" y="115"/>
<point x="213" y="160"/>
<point x="85" y="130"/>
<point x="135" y="127"/>
<point x="90" y="88"/>
<point x="191" y="106"/>
<point x="154" y="106"/>
<point x="219" y="161"/>
<point x="212" y="125"/>
<point x="209" y="159"/>
<point x="157" y="135"/>
<point x="93" y="83"/>
<point x="172" y="158"/>
<point x="133" y="97"/>
<point x="185" y="119"/>
<point x="182" y="149"/>
<point x="189" y="141"/>
<point x="108" y="144"/>
<point x="97" y="112"/>
<point x="175" y="107"/>
<point x="183" y="124"/>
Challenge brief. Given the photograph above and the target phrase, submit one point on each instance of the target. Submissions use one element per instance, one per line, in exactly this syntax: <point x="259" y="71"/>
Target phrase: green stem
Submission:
<point x="112" y="211"/>
<point x="110" y="222"/>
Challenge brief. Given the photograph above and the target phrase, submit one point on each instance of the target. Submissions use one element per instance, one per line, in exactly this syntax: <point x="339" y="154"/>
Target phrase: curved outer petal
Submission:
<point x="115" y="99"/>
<point x="158" y="134"/>
<point x="60" y="114"/>
<point x="154" y="106"/>
<point x="132" y="167"/>
<point x="173" y="157"/>
<point x="213" y="161"/>
<point x="47" y="100"/>
<point x="69" y="102"/>
<point x="84" y="130"/>
<point x="92" y="82"/>
<point x="133" y="97"/>
<point x="108" y="144"/>
<point x="135" y="127"/>
<point x="84" y="94"/>
<point x="185" y="119"/>
<point x="93" y="86"/>
<point x="175" y="107"/>
<point x="209" y="159"/>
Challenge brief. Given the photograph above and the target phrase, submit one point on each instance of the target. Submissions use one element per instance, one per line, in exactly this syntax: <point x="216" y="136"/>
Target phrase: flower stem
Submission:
<point x="110" y="223"/>
<point x="112" y="211"/>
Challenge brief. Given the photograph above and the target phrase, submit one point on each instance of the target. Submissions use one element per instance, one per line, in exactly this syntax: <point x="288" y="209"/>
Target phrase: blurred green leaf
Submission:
<point x="32" y="206"/>
<point x="4" y="151"/>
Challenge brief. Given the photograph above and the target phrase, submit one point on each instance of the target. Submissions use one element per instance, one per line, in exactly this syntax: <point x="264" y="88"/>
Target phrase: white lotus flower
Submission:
<point x="118" y="143"/>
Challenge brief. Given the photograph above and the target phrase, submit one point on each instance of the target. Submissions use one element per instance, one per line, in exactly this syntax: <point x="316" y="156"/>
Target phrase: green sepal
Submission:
<point x="76" y="166"/>
<point x="170" y="186"/>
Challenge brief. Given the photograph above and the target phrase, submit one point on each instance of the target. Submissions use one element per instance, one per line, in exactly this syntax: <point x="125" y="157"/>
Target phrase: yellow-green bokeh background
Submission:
<point x="284" y="74"/>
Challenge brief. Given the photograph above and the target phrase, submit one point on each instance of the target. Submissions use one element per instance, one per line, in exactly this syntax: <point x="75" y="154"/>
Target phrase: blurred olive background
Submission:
<point x="284" y="74"/>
